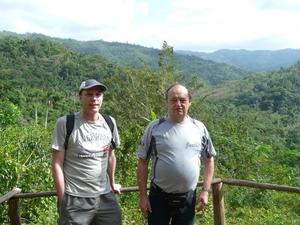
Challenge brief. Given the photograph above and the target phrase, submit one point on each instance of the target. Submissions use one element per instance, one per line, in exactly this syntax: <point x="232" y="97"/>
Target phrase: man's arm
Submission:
<point x="208" y="171"/>
<point x="112" y="162"/>
<point x="142" y="176"/>
<point x="58" y="174"/>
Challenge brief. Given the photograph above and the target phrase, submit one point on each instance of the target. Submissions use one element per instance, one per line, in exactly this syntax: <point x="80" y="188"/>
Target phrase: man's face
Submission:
<point x="91" y="100"/>
<point x="178" y="103"/>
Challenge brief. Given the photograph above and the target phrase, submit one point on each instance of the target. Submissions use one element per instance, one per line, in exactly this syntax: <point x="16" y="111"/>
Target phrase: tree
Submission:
<point x="9" y="114"/>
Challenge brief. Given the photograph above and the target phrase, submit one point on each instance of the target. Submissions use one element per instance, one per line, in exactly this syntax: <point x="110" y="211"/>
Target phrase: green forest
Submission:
<point x="208" y="71"/>
<point x="253" y="119"/>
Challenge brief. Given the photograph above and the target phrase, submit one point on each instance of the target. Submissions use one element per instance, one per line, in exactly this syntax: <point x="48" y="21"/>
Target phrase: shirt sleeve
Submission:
<point x="145" y="149"/>
<point x="207" y="145"/>
<point x="59" y="134"/>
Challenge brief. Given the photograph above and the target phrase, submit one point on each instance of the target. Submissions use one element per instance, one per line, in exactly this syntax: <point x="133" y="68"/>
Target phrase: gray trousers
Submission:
<point x="102" y="210"/>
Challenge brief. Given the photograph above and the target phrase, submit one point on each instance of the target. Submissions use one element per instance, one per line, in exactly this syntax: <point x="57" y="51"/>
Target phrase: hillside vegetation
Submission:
<point x="269" y="103"/>
<point x="129" y="54"/>
<point x="252" y="121"/>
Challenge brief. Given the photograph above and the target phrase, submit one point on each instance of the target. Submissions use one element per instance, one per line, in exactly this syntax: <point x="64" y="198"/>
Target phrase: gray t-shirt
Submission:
<point x="86" y="158"/>
<point x="176" y="149"/>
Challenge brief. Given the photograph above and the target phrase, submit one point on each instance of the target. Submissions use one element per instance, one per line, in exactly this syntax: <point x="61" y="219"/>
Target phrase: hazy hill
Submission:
<point x="208" y="71"/>
<point x="261" y="60"/>
<point x="274" y="91"/>
<point x="212" y="68"/>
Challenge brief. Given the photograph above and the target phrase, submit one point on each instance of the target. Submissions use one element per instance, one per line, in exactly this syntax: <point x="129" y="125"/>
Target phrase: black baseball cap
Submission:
<point x="91" y="83"/>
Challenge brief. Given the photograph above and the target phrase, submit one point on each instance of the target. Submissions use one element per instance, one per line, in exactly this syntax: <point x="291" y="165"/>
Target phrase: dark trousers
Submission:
<point x="162" y="214"/>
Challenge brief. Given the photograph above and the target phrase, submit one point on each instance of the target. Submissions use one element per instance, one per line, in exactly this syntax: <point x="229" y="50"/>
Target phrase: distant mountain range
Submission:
<point x="212" y="68"/>
<point x="260" y="60"/>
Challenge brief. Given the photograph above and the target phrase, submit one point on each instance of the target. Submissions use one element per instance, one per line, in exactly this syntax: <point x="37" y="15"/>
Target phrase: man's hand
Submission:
<point x="203" y="199"/>
<point x="117" y="188"/>
<point x="145" y="206"/>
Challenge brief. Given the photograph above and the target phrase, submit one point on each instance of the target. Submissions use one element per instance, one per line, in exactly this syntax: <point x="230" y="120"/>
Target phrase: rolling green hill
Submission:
<point x="208" y="71"/>
<point x="269" y="103"/>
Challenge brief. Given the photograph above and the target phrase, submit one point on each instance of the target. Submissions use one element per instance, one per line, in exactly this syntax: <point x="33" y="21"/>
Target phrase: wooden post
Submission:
<point x="218" y="201"/>
<point x="14" y="211"/>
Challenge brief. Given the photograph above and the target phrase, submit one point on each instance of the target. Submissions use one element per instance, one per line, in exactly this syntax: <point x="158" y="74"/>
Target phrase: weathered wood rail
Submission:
<point x="13" y="197"/>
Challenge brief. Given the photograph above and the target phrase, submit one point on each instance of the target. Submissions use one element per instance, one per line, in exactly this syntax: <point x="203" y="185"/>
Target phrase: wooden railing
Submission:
<point x="14" y="197"/>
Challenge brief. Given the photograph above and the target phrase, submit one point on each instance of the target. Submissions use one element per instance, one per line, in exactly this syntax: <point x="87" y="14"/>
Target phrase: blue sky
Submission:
<point x="194" y="25"/>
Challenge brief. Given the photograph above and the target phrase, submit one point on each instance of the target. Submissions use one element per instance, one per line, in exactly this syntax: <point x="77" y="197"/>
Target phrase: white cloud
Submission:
<point x="143" y="8"/>
<point x="184" y="24"/>
<point x="233" y="21"/>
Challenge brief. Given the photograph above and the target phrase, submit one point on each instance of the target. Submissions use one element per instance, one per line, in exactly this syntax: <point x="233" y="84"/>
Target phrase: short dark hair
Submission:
<point x="173" y="85"/>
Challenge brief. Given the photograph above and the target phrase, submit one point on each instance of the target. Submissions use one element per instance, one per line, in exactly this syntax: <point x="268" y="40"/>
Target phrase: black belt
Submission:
<point x="166" y="193"/>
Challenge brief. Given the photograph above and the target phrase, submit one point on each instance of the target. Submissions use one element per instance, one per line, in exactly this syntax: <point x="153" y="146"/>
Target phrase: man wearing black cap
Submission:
<point x="84" y="172"/>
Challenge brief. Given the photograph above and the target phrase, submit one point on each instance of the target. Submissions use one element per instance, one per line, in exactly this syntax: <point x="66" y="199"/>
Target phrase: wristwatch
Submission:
<point x="206" y="189"/>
